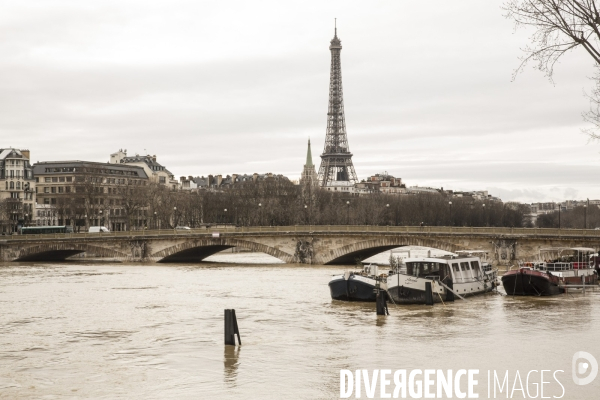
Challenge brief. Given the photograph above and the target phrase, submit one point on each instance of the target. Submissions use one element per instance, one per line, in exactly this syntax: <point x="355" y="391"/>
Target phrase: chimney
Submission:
<point x="154" y="158"/>
<point x="25" y="154"/>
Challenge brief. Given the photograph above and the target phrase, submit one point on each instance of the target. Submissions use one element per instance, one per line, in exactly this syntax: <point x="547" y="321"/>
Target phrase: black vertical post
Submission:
<point x="231" y="328"/>
<point x="381" y="304"/>
<point x="428" y="294"/>
<point x="449" y="294"/>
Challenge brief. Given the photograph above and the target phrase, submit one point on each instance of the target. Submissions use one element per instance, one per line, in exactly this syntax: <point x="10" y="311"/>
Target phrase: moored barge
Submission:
<point x="557" y="270"/>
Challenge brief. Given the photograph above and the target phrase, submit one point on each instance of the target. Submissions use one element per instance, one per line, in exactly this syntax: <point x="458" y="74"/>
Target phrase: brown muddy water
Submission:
<point x="117" y="331"/>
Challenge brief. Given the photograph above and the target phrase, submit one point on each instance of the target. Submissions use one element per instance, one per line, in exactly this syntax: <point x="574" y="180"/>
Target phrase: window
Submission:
<point x="61" y="179"/>
<point x="68" y="189"/>
<point x="46" y="200"/>
<point x="53" y="190"/>
<point x="69" y="179"/>
<point x="47" y="179"/>
<point x="53" y="201"/>
<point x="54" y="179"/>
<point x="61" y="189"/>
<point x="464" y="266"/>
<point x="18" y="185"/>
<point x="161" y="179"/>
<point x="12" y="185"/>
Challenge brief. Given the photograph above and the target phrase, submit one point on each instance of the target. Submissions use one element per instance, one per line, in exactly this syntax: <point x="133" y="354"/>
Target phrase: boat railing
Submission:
<point x="433" y="277"/>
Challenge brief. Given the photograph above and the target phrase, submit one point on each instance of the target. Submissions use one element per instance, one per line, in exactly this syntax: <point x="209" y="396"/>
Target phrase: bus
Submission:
<point x="41" y="230"/>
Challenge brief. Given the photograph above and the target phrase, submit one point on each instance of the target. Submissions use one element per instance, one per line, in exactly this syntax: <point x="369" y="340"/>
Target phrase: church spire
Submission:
<point x="309" y="162"/>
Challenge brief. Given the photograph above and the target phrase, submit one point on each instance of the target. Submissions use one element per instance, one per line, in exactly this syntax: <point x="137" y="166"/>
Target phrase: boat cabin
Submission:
<point x="460" y="270"/>
<point x="565" y="259"/>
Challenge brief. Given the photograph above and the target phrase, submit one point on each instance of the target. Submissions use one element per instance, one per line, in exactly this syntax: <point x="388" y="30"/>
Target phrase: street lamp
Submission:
<point x="260" y="214"/>
<point x="450" y="204"/>
<point x="225" y="216"/>
<point x="484" y="221"/>
<point x="387" y="208"/>
<point x="101" y="218"/>
<point x="174" y="216"/>
<point x="155" y="223"/>
<point x="585" y="216"/>
<point x="348" y="212"/>
<point x="306" y="213"/>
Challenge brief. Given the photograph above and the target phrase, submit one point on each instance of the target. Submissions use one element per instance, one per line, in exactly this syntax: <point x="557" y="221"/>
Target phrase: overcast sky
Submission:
<point x="239" y="86"/>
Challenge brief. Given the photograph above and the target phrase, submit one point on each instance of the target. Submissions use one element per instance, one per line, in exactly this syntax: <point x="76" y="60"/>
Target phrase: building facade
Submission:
<point x="156" y="172"/>
<point x="17" y="190"/>
<point x="84" y="194"/>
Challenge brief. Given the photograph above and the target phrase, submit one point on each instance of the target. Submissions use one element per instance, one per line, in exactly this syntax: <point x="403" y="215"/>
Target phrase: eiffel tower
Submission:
<point x="336" y="161"/>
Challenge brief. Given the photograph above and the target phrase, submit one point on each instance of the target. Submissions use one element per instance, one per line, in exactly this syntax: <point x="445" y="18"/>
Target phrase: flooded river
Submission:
<point x="110" y="331"/>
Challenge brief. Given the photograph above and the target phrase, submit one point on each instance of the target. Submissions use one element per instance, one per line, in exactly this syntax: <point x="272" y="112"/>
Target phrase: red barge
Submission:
<point x="561" y="269"/>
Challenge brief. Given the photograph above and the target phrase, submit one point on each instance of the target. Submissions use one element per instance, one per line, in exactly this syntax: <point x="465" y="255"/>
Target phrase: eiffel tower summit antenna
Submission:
<point x="336" y="161"/>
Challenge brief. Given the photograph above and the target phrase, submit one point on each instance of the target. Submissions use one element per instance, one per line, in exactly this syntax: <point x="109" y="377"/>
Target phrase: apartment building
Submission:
<point x="17" y="190"/>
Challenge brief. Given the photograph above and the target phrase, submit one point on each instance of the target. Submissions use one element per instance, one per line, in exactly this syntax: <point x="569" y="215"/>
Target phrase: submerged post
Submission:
<point x="381" y="304"/>
<point x="428" y="294"/>
<point x="231" y="328"/>
<point x="449" y="293"/>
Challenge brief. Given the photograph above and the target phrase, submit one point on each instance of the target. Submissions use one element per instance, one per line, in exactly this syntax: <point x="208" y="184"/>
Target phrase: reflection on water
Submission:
<point x="231" y="362"/>
<point x="156" y="331"/>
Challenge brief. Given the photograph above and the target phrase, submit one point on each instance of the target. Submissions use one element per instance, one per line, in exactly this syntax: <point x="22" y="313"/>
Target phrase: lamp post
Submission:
<point x="174" y="216"/>
<point x="348" y="212"/>
<point x="306" y="215"/>
<point x="559" y="207"/>
<point x="225" y="216"/>
<point x="85" y="224"/>
<point x="484" y="220"/>
<point x="450" y="204"/>
<point x="260" y="214"/>
<point x="101" y="218"/>
<point x="155" y="223"/>
<point x="387" y="211"/>
<point x="585" y="216"/>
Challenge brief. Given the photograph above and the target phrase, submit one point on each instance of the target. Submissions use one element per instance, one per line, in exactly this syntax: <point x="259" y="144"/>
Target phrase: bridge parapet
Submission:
<point x="308" y="229"/>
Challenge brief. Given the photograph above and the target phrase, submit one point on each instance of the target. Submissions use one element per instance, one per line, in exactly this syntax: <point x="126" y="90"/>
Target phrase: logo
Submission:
<point x="584" y="363"/>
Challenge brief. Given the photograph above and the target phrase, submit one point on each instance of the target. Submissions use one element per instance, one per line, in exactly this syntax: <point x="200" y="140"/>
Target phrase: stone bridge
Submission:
<point x="292" y="244"/>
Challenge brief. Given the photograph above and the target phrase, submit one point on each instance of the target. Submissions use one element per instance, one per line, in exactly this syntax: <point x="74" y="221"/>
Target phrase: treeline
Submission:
<point x="283" y="203"/>
<point x="578" y="218"/>
<point x="134" y="205"/>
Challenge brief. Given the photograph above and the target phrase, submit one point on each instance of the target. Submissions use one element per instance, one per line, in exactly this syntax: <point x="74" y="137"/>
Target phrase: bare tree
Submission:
<point x="560" y="26"/>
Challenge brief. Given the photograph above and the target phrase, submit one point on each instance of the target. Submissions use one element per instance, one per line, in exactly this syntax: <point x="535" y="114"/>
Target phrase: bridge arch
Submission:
<point x="195" y="250"/>
<point x="61" y="251"/>
<point x="349" y="254"/>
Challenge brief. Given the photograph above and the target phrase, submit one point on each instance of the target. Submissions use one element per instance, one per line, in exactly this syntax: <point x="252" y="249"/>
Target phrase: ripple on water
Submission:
<point x="135" y="331"/>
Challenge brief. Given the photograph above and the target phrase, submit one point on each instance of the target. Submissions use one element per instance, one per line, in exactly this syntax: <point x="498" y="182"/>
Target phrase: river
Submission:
<point x="131" y="331"/>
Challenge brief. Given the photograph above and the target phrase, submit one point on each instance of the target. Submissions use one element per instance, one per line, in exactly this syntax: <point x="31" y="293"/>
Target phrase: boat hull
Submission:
<point x="410" y="290"/>
<point x="526" y="282"/>
<point x="352" y="289"/>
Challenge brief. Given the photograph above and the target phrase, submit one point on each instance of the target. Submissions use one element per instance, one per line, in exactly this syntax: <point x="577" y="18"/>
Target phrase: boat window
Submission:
<point x="475" y="265"/>
<point x="455" y="267"/>
<point x="410" y="268"/>
<point x="464" y="266"/>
